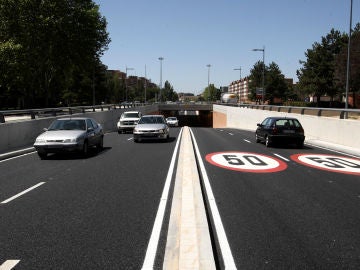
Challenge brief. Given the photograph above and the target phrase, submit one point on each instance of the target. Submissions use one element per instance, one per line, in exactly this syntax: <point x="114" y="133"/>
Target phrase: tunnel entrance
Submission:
<point x="199" y="118"/>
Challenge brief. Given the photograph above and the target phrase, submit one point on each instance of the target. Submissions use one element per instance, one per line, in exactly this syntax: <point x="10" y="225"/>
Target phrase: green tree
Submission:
<point x="275" y="84"/>
<point x="211" y="93"/>
<point x="168" y="92"/>
<point x="316" y="77"/>
<point x="341" y="65"/>
<point x="56" y="41"/>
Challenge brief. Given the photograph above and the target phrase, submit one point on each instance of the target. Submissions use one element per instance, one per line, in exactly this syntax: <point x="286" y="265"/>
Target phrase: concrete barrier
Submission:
<point x="343" y="132"/>
<point x="15" y="135"/>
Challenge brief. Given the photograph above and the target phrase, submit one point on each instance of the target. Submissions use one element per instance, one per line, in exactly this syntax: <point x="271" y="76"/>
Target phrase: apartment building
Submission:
<point x="241" y="89"/>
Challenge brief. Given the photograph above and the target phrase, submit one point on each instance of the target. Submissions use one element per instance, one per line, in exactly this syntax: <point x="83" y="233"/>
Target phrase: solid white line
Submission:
<point x="17" y="156"/>
<point x="281" y="157"/>
<point x="9" y="264"/>
<point x="22" y="193"/>
<point x="155" y="234"/>
<point x="247" y="141"/>
<point x="332" y="150"/>
<point x="220" y="231"/>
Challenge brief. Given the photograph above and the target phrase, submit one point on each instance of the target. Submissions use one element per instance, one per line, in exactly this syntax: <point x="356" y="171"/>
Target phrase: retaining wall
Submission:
<point x="332" y="130"/>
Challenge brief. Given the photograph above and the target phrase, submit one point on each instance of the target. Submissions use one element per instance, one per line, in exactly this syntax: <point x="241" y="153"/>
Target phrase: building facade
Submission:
<point x="241" y="89"/>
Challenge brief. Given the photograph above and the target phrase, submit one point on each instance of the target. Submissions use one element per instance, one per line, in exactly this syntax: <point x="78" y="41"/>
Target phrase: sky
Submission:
<point x="192" y="34"/>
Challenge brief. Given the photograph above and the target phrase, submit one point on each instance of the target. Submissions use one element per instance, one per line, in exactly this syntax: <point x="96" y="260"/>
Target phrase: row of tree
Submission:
<point x="323" y="73"/>
<point x="50" y="56"/>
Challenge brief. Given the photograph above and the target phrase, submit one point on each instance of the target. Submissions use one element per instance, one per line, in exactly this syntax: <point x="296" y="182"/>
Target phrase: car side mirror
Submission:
<point x="259" y="125"/>
<point x="90" y="129"/>
<point x="45" y="129"/>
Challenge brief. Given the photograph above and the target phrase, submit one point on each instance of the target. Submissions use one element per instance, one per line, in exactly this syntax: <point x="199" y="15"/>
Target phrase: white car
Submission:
<point x="128" y="121"/>
<point x="151" y="127"/>
<point x="70" y="135"/>
<point x="172" y="121"/>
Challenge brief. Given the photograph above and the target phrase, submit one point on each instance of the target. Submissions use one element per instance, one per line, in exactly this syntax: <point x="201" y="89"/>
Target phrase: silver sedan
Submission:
<point x="70" y="135"/>
<point x="151" y="127"/>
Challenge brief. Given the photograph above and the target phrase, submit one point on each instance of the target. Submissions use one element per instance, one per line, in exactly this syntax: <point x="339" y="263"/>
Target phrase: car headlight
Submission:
<point x="70" y="140"/>
<point x="136" y="130"/>
<point x="161" y="130"/>
<point x="39" y="140"/>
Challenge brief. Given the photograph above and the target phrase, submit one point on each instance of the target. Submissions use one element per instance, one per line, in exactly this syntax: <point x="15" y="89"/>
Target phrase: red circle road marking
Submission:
<point x="333" y="163"/>
<point x="246" y="162"/>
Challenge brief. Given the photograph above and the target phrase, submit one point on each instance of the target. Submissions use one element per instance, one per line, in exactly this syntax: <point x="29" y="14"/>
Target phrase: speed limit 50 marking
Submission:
<point x="246" y="162"/>
<point x="331" y="163"/>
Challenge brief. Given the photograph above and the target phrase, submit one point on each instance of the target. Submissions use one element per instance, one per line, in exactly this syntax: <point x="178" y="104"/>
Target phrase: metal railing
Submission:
<point x="11" y="115"/>
<point x="325" y="112"/>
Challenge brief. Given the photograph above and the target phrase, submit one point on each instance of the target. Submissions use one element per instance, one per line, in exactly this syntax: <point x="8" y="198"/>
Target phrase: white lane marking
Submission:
<point x="232" y="134"/>
<point x="332" y="150"/>
<point x="130" y="139"/>
<point x="22" y="193"/>
<point x="220" y="231"/>
<point x="9" y="264"/>
<point x="284" y="158"/>
<point x="155" y="234"/>
<point x="247" y="141"/>
<point x="1" y="161"/>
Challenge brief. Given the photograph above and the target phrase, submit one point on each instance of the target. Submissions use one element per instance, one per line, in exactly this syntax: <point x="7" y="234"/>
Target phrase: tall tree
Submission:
<point x="316" y="77"/>
<point x="211" y="93"/>
<point x="55" y="40"/>
<point x="275" y="84"/>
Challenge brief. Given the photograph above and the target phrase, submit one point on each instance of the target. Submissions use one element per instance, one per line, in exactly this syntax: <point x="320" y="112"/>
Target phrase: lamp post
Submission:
<point x="126" y="91"/>
<point x="348" y="64"/>
<point x="208" y="65"/>
<point x="161" y="59"/>
<point x="263" y="72"/>
<point x="239" y="84"/>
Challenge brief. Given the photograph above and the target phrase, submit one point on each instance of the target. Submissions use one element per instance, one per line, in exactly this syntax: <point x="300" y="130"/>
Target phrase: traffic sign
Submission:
<point x="333" y="163"/>
<point x="246" y="162"/>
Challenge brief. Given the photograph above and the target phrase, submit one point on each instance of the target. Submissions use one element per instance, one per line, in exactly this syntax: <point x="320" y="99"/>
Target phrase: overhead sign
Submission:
<point x="333" y="163"/>
<point x="246" y="162"/>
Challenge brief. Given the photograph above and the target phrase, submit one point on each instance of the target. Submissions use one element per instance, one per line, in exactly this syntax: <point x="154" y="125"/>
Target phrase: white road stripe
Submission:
<point x="284" y="158"/>
<point x="221" y="235"/>
<point x="247" y="141"/>
<point x="1" y="161"/>
<point x="232" y="134"/>
<point x="22" y="193"/>
<point x="155" y="234"/>
<point x="9" y="264"/>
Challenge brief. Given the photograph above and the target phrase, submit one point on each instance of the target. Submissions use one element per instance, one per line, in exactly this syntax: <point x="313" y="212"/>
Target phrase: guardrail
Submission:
<point x="50" y="112"/>
<point x="326" y="112"/>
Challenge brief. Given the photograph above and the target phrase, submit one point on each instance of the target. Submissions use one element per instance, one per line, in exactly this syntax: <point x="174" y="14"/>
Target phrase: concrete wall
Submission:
<point x="14" y="135"/>
<point x="331" y="130"/>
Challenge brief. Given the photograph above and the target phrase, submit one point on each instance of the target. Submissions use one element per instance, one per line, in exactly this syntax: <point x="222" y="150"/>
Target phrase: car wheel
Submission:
<point x="300" y="145"/>
<point x="257" y="138"/>
<point x="42" y="155"/>
<point x="267" y="141"/>
<point x="85" y="148"/>
<point x="100" y="145"/>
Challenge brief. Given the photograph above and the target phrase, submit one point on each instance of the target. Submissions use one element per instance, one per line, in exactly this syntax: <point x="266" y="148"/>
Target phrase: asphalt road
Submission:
<point x="292" y="216"/>
<point x="281" y="207"/>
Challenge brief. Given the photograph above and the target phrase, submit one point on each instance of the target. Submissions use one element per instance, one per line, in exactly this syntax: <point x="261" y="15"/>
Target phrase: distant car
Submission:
<point x="151" y="127"/>
<point x="172" y="121"/>
<point x="280" y="130"/>
<point x="70" y="135"/>
<point x="128" y="121"/>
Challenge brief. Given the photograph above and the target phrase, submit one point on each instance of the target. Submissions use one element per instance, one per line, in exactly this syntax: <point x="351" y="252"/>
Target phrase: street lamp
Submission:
<point x="161" y="59"/>
<point x="208" y="65"/>
<point x="263" y="72"/>
<point x="126" y="93"/>
<point x="348" y="65"/>
<point x="239" y="84"/>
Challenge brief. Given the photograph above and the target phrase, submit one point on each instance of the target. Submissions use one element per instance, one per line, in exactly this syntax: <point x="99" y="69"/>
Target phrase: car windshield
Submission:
<point x="73" y="124"/>
<point x="131" y="115"/>
<point x="151" y="120"/>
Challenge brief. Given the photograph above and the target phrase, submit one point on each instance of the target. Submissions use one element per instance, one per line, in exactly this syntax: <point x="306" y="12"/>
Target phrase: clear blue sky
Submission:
<point x="190" y="34"/>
